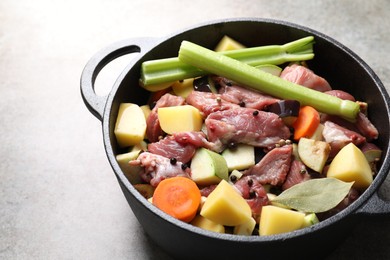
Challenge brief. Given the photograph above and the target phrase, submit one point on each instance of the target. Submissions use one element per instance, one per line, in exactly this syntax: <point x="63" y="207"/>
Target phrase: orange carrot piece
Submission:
<point x="306" y="123"/>
<point x="178" y="197"/>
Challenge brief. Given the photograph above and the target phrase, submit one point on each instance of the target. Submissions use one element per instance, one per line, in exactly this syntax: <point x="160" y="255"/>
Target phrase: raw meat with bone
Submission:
<point x="273" y="167"/>
<point x="208" y="102"/>
<point x="305" y="77"/>
<point x="242" y="96"/>
<point x="247" y="126"/>
<point x="156" y="168"/>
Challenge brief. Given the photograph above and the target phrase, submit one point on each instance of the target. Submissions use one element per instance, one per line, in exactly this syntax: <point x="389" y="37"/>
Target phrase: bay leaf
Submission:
<point x="316" y="195"/>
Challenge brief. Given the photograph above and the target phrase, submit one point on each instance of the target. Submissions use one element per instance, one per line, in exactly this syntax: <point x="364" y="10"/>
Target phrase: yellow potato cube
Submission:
<point x="177" y="119"/>
<point x="146" y="109"/>
<point x="183" y="87"/>
<point x="130" y="125"/>
<point x="226" y="206"/>
<point x="275" y="220"/>
<point x="246" y="228"/>
<point x="131" y="172"/>
<point x="228" y="44"/>
<point x="349" y="165"/>
<point x="157" y="87"/>
<point x="142" y="146"/>
<point x="207" y="224"/>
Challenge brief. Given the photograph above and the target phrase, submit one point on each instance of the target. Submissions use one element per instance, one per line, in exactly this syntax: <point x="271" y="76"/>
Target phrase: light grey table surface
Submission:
<point x="59" y="198"/>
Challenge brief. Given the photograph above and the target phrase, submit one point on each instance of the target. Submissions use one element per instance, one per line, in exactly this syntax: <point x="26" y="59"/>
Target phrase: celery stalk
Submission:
<point x="172" y="69"/>
<point x="221" y="65"/>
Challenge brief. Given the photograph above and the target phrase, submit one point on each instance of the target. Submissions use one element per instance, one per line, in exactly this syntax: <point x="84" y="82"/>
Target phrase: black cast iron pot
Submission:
<point x="339" y="65"/>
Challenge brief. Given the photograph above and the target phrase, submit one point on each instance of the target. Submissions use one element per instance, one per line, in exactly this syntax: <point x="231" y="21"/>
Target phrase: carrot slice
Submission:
<point x="306" y="123"/>
<point x="178" y="197"/>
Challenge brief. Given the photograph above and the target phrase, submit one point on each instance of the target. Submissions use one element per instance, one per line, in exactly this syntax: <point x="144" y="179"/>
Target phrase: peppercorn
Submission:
<point x="250" y="182"/>
<point x="173" y="161"/>
<point x="184" y="166"/>
<point x="233" y="178"/>
<point x="252" y="194"/>
<point x="153" y="104"/>
<point x="282" y="142"/>
<point x="232" y="146"/>
<point x="241" y="104"/>
<point x="255" y="113"/>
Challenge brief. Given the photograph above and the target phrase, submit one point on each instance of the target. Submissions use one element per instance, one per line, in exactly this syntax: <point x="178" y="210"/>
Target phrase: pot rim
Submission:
<point x="350" y="210"/>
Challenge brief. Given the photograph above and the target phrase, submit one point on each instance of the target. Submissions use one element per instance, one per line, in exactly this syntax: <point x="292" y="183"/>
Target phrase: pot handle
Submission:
<point x="96" y="103"/>
<point x="375" y="206"/>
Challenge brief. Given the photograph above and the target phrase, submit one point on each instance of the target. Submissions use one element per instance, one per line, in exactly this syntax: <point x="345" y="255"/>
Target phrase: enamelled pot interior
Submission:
<point x="336" y="63"/>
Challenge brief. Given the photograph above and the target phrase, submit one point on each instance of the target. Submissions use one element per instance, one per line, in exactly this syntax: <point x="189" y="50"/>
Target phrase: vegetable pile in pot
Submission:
<point x="247" y="141"/>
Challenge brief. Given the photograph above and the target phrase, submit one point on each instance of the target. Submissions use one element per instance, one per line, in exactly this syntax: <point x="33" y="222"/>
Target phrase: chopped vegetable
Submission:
<point x="243" y="203"/>
<point x="275" y="220"/>
<point x="272" y="69"/>
<point x="155" y="72"/>
<point x="146" y="190"/>
<point x="287" y="110"/>
<point x="306" y="123"/>
<point x="178" y="197"/>
<point x="234" y="176"/>
<point x="317" y="135"/>
<point x="146" y="109"/>
<point x="131" y="172"/>
<point x="245" y="229"/>
<point x="226" y="206"/>
<point x="350" y="164"/>
<point x="245" y="74"/>
<point x="207" y="224"/>
<point x="373" y="154"/>
<point x="205" y="84"/>
<point x="309" y="220"/>
<point x="314" y="154"/>
<point x="227" y="44"/>
<point x="183" y="88"/>
<point x="316" y="195"/>
<point x="130" y="125"/>
<point x="240" y="157"/>
<point x="177" y="119"/>
<point x="208" y="167"/>
<point x="158" y="86"/>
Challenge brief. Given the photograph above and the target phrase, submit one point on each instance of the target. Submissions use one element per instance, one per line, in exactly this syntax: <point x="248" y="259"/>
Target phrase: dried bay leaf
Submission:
<point x="316" y="195"/>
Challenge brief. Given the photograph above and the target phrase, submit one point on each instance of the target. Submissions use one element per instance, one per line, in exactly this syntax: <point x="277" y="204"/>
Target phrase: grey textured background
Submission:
<point x="59" y="198"/>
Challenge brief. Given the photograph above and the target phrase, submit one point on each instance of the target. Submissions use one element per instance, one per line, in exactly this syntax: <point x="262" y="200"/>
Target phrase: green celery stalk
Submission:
<point x="171" y="69"/>
<point x="221" y="65"/>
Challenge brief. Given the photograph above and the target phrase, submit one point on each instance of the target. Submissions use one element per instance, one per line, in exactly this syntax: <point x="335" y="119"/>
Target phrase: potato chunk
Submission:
<point x="177" y="119"/>
<point x="207" y="224"/>
<point x="130" y="125"/>
<point x="350" y="164"/>
<point x="228" y="44"/>
<point x="146" y="109"/>
<point x="131" y="172"/>
<point x="183" y="88"/>
<point x="226" y="206"/>
<point x="245" y="229"/>
<point x="276" y="220"/>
